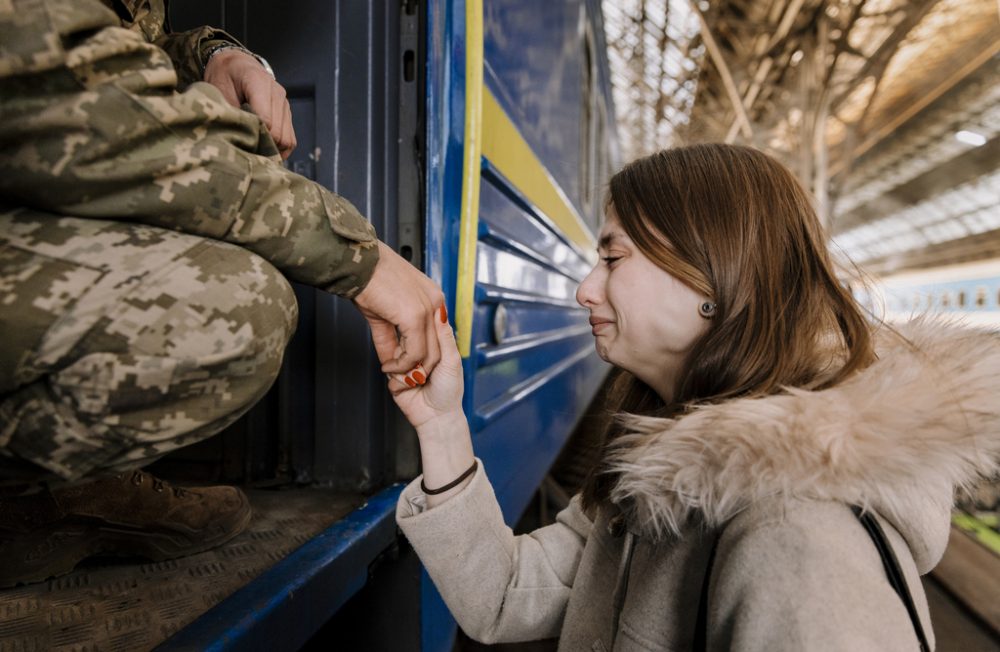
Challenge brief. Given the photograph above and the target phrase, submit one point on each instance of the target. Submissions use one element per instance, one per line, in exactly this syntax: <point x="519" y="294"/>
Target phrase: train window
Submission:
<point x="961" y="298"/>
<point x="980" y="297"/>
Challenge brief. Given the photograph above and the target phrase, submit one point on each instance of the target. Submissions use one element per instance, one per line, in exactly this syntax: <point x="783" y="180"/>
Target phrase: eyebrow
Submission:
<point x="608" y="238"/>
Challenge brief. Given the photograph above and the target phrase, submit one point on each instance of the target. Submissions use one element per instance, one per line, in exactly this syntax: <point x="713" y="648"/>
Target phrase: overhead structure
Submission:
<point x="864" y="99"/>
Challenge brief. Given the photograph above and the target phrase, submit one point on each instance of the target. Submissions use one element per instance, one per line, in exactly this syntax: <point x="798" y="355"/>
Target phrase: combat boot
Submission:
<point x="133" y="514"/>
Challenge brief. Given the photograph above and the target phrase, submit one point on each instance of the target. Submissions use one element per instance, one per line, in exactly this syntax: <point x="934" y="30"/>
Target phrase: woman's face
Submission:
<point x="644" y="320"/>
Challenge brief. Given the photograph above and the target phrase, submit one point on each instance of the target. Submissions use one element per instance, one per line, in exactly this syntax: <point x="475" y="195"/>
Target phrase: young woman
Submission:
<point x="756" y="408"/>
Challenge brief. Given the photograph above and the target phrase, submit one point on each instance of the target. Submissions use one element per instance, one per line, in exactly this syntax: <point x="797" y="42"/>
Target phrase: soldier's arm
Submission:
<point x="98" y="131"/>
<point x="189" y="51"/>
<point x="92" y="127"/>
<point x="212" y="55"/>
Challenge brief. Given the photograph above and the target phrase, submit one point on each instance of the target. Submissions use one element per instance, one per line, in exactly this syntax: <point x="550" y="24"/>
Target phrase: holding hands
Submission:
<point x="440" y="397"/>
<point x="434" y="408"/>
<point x="402" y="307"/>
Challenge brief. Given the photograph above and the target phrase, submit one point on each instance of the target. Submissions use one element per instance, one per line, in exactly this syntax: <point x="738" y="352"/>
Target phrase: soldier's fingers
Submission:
<point x="228" y="90"/>
<point x="259" y="98"/>
<point x="277" y="115"/>
<point x="384" y="339"/>
<point x="288" y="142"/>
<point x="280" y="116"/>
<point x="415" y="350"/>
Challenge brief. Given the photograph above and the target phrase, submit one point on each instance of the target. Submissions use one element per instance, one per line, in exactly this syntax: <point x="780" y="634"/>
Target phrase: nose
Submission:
<point x="589" y="293"/>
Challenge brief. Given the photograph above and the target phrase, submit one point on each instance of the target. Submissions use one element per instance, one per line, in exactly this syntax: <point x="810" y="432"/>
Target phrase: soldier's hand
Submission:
<point x="440" y="398"/>
<point x="242" y="79"/>
<point x="399" y="298"/>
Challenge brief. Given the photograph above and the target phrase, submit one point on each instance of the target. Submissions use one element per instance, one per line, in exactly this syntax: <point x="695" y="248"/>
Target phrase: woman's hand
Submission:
<point x="435" y="410"/>
<point x="441" y="394"/>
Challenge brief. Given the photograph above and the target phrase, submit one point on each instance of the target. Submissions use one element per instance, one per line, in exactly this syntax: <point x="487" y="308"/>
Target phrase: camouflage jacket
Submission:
<point x="186" y="49"/>
<point x="92" y="125"/>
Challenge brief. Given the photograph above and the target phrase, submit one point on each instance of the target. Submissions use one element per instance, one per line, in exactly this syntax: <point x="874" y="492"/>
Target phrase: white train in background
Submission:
<point x="968" y="291"/>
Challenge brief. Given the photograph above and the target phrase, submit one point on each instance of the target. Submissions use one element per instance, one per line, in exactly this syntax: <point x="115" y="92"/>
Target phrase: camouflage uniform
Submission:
<point x="186" y="50"/>
<point x="128" y="327"/>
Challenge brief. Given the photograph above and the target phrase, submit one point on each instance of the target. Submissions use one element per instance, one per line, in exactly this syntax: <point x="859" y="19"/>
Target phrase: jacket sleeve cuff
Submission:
<point x="475" y="503"/>
<point x="413" y="501"/>
<point x="359" y="255"/>
<point x="188" y="50"/>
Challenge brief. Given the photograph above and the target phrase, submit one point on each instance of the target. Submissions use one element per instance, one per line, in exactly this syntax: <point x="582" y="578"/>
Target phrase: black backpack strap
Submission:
<point x="889" y="562"/>
<point x="892" y="570"/>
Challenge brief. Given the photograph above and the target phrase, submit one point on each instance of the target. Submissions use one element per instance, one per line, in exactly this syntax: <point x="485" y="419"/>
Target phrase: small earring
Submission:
<point x="707" y="310"/>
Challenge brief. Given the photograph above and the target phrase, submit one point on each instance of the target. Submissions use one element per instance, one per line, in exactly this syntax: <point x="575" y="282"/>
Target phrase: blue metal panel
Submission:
<point x="519" y="448"/>
<point x="534" y="55"/>
<point x="508" y="219"/>
<point x="285" y="605"/>
<point x="445" y="75"/>
<point x="501" y="381"/>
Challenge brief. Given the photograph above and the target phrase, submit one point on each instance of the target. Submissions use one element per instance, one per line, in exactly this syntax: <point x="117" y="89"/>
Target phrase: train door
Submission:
<point x="352" y="79"/>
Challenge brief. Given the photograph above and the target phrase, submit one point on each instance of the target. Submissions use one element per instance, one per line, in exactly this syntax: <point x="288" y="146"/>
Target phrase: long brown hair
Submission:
<point x="735" y="225"/>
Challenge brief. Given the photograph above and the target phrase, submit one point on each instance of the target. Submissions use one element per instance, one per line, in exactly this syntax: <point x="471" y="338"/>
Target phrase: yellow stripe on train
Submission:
<point x="471" y="166"/>
<point x="490" y="132"/>
<point x="507" y="150"/>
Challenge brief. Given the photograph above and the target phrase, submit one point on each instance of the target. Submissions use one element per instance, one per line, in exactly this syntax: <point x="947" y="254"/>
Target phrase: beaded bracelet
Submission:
<point x="451" y="485"/>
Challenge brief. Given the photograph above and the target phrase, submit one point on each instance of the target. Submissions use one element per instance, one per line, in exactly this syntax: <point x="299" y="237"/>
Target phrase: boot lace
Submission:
<point x="138" y="477"/>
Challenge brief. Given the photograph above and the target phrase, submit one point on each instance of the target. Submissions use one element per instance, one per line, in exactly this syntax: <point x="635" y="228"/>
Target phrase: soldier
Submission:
<point x="144" y="219"/>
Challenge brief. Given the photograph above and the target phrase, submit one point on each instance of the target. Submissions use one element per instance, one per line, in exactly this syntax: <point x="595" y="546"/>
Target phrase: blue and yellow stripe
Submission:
<point x="490" y="133"/>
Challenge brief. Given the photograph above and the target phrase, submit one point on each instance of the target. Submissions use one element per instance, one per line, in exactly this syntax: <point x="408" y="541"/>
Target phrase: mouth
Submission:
<point x="598" y="324"/>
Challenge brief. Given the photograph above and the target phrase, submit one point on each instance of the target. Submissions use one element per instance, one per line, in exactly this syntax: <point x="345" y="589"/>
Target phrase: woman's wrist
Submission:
<point x="446" y="427"/>
<point x="446" y="454"/>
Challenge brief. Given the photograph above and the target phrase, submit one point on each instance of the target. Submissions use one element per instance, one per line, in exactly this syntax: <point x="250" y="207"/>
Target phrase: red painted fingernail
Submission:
<point x="444" y="315"/>
<point x="419" y="377"/>
<point x="409" y="382"/>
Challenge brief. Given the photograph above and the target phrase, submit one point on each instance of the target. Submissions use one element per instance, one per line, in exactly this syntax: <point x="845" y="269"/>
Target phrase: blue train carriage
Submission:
<point x="969" y="292"/>
<point x="478" y="137"/>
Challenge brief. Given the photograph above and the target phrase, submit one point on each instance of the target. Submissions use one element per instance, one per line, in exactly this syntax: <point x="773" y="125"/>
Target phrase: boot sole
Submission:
<point x="46" y="554"/>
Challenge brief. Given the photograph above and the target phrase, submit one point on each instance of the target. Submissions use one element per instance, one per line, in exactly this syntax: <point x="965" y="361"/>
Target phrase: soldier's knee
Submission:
<point x="238" y="314"/>
<point x="263" y="320"/>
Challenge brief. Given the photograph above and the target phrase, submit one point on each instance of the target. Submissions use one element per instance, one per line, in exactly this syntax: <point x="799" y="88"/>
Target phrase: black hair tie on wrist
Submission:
<point x="451" y="485"/>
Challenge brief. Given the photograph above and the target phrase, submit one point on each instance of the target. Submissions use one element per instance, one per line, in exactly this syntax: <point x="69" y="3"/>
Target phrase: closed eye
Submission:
<point x="609" y="260"/>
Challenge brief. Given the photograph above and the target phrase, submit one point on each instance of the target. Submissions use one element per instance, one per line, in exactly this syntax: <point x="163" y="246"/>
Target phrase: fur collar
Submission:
<point x="896" y="437"/>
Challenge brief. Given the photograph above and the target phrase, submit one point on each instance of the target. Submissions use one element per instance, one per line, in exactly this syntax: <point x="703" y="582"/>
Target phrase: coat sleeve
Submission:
<point x="809" y="583"/>
<point x="92" y="126"/>
<point x="499" y="587"/>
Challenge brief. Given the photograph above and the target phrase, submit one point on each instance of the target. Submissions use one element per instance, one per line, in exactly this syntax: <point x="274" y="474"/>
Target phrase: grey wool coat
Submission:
<point x="794" y="569"/>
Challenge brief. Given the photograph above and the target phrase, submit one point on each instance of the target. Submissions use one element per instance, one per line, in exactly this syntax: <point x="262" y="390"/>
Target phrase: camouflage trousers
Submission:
<point x="120" y="342"/>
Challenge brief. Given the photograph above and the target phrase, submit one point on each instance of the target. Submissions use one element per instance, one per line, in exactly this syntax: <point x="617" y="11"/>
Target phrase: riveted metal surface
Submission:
<point x="119" y="605"/>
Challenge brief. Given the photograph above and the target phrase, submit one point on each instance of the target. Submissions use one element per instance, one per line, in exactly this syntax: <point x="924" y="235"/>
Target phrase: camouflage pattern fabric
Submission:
<point x="98" y="130"/>
<point x="186" y="49"/>
<point x="122" y="342"/>
<point x="127" y="328"/>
